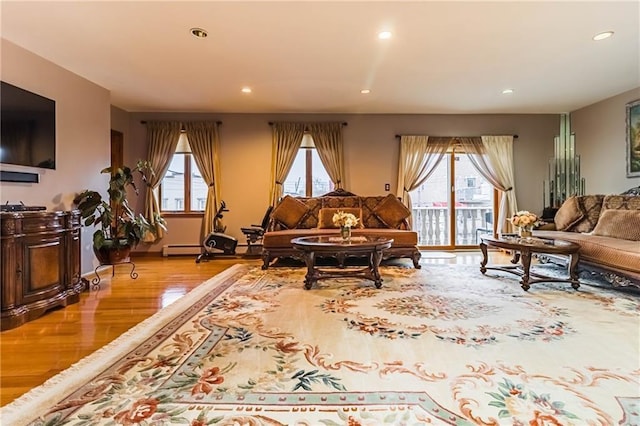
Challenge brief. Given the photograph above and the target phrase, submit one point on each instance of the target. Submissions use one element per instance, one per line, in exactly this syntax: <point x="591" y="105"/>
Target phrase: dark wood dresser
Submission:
<point x="40" y="264"/>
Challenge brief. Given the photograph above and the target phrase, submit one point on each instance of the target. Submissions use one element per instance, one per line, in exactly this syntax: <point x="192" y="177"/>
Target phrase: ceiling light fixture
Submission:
<point x="384" y="35"/>
<point x="603" y="35"/>
<point x="246" y="90"/>
<point x="199" y="33"/>
<point x="365" y="91"/>
<point x="507" y="91"/>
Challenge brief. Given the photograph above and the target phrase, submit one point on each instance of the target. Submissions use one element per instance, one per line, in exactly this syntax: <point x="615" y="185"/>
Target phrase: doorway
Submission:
<point x="454" y="205"/>
<point x="117" y="149"/>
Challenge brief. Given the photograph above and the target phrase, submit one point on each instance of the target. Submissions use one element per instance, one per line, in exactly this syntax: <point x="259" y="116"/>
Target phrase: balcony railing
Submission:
<point x="432" y="225"/>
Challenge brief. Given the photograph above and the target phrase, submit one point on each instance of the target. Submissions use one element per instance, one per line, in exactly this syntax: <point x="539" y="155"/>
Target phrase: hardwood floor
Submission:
<point x="38" y="350"/>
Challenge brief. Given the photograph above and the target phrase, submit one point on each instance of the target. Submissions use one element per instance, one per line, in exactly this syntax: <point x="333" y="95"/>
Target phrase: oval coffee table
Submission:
<point x="334" y="246"/>
<point x="523" y="248"/>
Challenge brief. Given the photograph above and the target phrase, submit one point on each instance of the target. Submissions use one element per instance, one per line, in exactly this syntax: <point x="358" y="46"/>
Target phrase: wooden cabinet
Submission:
<point x="40" y="264"/>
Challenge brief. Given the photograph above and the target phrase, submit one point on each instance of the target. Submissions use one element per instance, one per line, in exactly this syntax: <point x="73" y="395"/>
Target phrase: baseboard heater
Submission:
<point x="181" y="250"/>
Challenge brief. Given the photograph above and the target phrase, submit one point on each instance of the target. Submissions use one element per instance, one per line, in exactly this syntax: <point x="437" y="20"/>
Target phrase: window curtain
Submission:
<point x="327" y="138"/>
<point x="419" y="156"/>
<point x="204" y="142"/>
<point x="162" y="139"/>
<point x="492" y="156"/>
<point x="286" y="141"/>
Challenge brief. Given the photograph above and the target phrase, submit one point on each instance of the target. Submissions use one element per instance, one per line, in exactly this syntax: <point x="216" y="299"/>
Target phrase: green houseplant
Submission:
<point x="119" y="228"/>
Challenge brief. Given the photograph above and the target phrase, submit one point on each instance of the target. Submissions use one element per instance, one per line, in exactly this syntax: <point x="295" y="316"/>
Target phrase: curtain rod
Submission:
<point x="144" y="121"/>
<point x="343" y="123"/>
<point x="453" y="137"/>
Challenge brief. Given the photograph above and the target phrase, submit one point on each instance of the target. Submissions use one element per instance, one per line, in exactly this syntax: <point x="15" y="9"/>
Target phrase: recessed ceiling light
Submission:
<point x="365" y="91"/>
<point x="603" y="35"/>
<point x="199" y="32"/>
<point x="507" y="91"/>
<point x="246" y="90"/>
<point x="384" y="35"/>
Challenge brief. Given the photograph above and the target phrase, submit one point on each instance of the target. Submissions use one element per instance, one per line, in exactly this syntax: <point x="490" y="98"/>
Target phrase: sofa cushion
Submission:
<point x="391" y="211"/>
<point x="290" y="212"/>
<point x="590" y="205"/>
<point x="621" y="202"/>
<point x="614" y="253"/>
<point x="334" y="202"/>
<point x="401" y="237"/>
<point x="310" y="220"/>
<point x="624" y="224"/>
<point x="568" y="215"/>
<point x="325" y="219"/>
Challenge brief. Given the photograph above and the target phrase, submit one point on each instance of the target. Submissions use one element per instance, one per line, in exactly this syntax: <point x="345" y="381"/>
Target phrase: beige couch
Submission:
<point x="383" y="216"/>
<point x="607" y="227"/>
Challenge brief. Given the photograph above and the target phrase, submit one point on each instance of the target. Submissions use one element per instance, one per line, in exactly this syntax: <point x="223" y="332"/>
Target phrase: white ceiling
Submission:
<point x="315" y="57"/>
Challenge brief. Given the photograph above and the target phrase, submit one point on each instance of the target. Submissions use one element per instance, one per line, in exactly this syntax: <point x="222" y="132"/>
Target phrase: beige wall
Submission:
<point x="85" y="117"/>
<point x="82" y="135"/>
<point x="371" y="154"/>
<point x="601" y="143"/>
<point x="120" y="120"/>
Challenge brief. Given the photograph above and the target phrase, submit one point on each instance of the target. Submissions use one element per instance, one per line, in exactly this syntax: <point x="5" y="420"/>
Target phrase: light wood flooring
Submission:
<point x="38" y="350"/>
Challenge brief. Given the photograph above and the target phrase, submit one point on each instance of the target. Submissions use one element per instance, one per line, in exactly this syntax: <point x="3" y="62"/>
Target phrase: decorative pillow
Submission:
<point x="623" y="224"/>
<point x="590" y="206"/>
<point x="290" y="212"/>
<point x="568" y="214"/>
<point x="325" y="219"/>
<point x="391" y="211"/>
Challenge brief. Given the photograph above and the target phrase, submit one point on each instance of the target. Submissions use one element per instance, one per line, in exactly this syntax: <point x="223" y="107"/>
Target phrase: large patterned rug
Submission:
<point x="441" y="345"/>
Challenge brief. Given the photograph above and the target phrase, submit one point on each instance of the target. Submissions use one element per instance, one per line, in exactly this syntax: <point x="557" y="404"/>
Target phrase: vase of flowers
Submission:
<point x="345" y="221"/>
<point x="525" y="221"/>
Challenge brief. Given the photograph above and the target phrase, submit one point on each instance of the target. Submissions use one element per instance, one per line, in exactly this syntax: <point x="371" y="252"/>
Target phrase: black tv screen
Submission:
<point x="28" y="134"/>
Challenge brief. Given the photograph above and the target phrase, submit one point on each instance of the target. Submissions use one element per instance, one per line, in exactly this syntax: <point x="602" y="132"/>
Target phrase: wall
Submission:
<point x="82" y="135"/>
<point x="601" y="143"/>
<point x="120" y="120"/>
<point x="371" y="155"/>
<point x="85" y="117"/>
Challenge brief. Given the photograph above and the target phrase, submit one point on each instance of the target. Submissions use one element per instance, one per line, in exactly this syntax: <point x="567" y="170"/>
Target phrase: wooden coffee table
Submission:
<point x="523" y="249"/>
<point x="334" y="246"/>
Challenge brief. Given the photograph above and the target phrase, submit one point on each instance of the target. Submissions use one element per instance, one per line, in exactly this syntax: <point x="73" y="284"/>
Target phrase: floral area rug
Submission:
<point x="440" y="345"/>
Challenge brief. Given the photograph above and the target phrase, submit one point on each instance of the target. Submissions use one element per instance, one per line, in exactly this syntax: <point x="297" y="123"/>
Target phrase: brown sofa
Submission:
<point x="383" y="216"/>
<point x="607" y="227"/>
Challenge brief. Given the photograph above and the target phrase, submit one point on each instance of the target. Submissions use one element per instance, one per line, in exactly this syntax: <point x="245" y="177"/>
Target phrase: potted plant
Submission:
<point x="119" y="228"/>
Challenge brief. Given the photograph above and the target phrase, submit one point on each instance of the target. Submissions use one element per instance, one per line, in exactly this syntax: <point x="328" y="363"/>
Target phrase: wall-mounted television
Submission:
<point x="28" y="122"/>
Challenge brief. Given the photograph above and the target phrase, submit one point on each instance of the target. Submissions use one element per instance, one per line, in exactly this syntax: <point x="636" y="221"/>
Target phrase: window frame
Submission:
<point x="308" y="146"/>
<point x="187" y="212"/>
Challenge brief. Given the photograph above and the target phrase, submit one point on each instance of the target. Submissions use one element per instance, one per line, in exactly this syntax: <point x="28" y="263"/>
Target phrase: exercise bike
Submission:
<point x="217" y="242"/>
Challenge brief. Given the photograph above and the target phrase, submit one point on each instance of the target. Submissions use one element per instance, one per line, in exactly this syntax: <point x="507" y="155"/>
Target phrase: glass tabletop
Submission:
<point x="336" y="240"/>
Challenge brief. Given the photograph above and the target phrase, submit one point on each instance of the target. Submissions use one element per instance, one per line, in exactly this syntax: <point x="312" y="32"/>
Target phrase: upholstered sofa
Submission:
<point x="383" y="216"/>
<point x="607" y="227"/>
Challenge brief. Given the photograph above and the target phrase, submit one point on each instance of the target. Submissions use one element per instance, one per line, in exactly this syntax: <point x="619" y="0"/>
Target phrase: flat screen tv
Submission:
<point x="28" y="121"/>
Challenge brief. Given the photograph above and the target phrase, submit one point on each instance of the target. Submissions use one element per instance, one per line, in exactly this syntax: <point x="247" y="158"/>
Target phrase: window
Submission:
<point x="307" y="177"/>
<point x="182" y="189"/>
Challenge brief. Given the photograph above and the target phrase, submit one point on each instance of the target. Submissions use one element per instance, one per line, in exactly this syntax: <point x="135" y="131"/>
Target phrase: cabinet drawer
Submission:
<point x="34" y="225"/>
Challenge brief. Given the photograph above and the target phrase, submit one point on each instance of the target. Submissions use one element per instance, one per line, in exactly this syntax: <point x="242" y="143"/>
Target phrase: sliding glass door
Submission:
<point x="454" y="205"/>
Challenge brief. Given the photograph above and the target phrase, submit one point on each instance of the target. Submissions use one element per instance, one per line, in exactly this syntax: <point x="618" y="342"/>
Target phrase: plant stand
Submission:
<point x="95" y="283"/>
